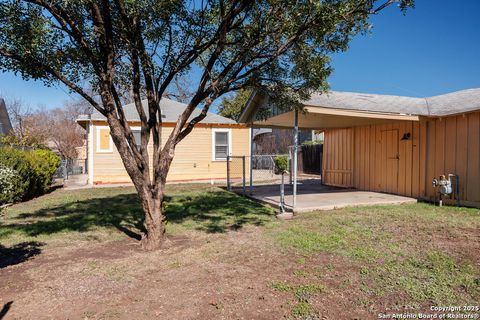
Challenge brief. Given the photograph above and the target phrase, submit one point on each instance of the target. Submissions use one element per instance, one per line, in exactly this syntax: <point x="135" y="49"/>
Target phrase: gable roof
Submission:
<point x="5" y="124"/>
<point x="171" y="110"/>
<point x="442" y="105"/>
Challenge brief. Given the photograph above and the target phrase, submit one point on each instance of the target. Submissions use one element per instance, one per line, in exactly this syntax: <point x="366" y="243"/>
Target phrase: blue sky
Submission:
<point x="434" y="49"/>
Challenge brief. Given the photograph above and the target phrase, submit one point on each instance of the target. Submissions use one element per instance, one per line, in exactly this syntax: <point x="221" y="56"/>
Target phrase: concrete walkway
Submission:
<point x="75" y="182"/>
<point x="312" y="197"/>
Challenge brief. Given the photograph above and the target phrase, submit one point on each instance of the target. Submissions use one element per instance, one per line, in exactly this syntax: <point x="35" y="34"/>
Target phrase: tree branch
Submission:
<point x="56" y="74"/>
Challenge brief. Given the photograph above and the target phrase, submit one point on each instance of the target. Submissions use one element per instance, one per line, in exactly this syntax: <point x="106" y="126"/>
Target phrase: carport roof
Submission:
<point x="349" y="108"/>
<point x="442" y="105"/>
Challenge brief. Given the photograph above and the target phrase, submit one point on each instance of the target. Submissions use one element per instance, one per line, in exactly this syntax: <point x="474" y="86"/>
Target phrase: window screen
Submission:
<point x="221" y="145"/>
<point x="138" y="138"/>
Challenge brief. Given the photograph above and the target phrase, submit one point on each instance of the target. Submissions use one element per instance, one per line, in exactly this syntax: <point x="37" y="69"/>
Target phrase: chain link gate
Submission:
<point x="236" y="172"/>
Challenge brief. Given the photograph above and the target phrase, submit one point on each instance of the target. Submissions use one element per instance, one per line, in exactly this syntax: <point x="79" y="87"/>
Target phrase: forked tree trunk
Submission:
<point x="154" y="235"/>
<point x="151" y="197"/>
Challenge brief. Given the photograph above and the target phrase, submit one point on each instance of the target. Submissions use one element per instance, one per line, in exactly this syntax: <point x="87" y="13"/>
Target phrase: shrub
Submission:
<point x="34" y="171"/>
<point x="44" y="164"/>
<point x="17" y="161"/>
<point x="311" y="142"/>
<point x="10" y="190"/>
<point x="281" y="164"/>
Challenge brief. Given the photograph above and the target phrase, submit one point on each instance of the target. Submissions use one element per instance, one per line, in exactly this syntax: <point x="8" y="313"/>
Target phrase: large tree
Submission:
<point x="231" y="106"/>
<point x="143" y="45"/>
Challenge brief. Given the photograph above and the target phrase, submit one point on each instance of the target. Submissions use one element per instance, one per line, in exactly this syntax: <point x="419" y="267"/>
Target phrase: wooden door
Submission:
<point x="390" y="160"/>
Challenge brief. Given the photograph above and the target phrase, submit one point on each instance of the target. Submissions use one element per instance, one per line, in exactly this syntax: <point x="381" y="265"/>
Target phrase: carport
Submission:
<point x="324" y="112"/>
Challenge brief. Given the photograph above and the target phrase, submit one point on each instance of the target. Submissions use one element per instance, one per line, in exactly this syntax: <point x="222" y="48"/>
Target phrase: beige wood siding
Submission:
<point x="437" y="146"/>
<point x="193" y="157"/>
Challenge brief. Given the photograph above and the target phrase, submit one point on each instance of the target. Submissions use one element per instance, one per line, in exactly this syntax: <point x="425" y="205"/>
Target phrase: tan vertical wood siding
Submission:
<point x="436" y="146"/>
<point x="338" y="159"/>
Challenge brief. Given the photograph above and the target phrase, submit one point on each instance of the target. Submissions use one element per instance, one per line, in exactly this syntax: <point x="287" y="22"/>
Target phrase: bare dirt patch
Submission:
<point x="68" y="259"/>
<point x="221" y="276"/>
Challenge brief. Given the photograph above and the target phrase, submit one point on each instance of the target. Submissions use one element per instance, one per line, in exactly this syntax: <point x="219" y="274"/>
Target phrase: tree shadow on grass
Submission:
<point x="121" y="211"/>
<point x="18" y="253"/>
<point x="214" y="211"/>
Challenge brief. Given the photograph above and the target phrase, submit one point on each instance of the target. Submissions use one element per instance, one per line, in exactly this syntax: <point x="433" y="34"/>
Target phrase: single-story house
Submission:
<point x="390" y="144"/>
<point x="201" y="156"/>
<point x="5" y="124"/>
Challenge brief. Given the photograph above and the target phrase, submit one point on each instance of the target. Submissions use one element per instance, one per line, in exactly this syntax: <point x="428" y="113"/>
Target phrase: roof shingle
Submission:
<point x="171" y="110"/>
<point x="442" y="105"/>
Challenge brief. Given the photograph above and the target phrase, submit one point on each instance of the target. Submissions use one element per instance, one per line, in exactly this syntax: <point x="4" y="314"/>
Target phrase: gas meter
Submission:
<point x="444" y="185"/>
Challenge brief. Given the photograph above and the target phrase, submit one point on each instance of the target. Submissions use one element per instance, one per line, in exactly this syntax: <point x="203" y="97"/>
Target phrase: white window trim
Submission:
<point x="109" y="150"/>
<point x="230" y="147"/>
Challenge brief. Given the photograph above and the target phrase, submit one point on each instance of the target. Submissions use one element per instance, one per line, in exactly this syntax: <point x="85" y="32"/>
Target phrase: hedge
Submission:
<point x="25" y="174"/>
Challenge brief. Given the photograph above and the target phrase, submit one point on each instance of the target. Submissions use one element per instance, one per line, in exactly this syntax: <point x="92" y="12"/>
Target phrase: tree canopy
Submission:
<point x="141" y="46"/>
<point x="232" y="106"/>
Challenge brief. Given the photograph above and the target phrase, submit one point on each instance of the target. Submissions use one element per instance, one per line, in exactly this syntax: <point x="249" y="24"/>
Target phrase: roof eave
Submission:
<point x="251" y="106"/>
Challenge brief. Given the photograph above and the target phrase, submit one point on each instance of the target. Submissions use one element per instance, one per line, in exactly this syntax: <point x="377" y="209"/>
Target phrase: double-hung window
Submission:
<point x="138" y="137"/>
<point x="221" y="144"/>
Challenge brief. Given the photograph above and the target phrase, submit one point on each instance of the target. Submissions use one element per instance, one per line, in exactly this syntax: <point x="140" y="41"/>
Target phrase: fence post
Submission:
<point x="243" y="164"/>
<point x="65" y="172"/>
<point x="228" y="173"/>
<point x="290" y="163"/>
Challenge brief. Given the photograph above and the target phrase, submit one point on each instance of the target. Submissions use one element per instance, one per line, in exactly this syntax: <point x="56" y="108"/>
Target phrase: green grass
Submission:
<point x="304" y="310"/>
<point x="378" y="251"/>
<point x="303" y="295"/>
<point x="392" y="249"/>
<point x="114" y="213"/>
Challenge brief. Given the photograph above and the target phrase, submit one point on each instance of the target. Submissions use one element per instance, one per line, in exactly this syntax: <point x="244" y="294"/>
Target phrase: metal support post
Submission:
<point x="282" y="195"/>
<point x="251" y="160"/>
<point x="228" y="174"/>
<point x="244" y="173"/>
<point x="295" y="159"/>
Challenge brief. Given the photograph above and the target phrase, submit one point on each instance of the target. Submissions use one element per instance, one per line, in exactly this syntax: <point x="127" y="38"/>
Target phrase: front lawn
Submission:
<point x="73" y="254"/>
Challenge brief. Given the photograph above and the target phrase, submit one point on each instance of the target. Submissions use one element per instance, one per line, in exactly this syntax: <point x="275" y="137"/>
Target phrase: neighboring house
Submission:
<point x="200" y="156"/>
<point x="278" y="141"/>
<point x="392" y="144"/>
<point x="5" y="124"/>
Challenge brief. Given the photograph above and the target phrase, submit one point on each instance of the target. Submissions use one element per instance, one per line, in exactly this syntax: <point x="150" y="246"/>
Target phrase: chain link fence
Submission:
<point x="263" y="169"/>
<point x="262" y="172"/>
<point x="68" y="168"/>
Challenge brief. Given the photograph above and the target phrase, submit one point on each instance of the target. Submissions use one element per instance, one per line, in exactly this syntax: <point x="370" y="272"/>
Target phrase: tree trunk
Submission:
<point x="154" y="235"/>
